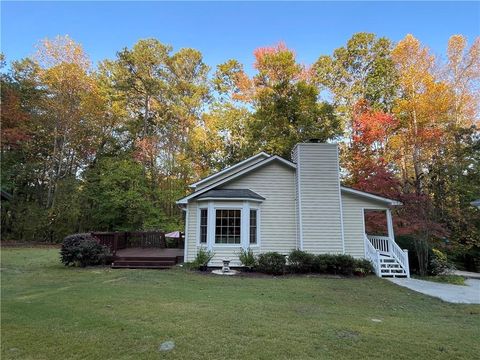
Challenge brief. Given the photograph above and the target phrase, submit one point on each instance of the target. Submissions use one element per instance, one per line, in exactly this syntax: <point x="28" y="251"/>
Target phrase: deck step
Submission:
<point x="143" y="263"/>
<point x="117" y="266"/>
<point x="146" y="258"/>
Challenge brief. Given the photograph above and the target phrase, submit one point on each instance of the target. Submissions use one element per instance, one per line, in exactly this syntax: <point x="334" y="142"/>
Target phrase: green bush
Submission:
<point x="363" y="267"/>
<point x="439" y="263"/>
<point x="271" y="263"/>
<point x="247" y="258"/>
<point x="324" y="264"/>
<point x="345" y="264"/>
<point x="83" y="250"/>
<point x="300" y="262"/>
<point x="201" y="260"/>
<point x="341" y="264"/>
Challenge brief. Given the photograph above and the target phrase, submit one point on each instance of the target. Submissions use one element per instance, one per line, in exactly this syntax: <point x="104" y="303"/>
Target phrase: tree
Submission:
<point x="422" y="108"/>
<point x="283" y="99"/>
<point x="361" y="70"/>
<point x="164" y="95"/>
<point x="462" y="73"/>
<point x="115" y="195"/>
<point x="453" y="179"/>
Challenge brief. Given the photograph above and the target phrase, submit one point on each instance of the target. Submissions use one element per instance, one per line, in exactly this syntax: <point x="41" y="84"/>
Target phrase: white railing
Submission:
<point x="400" y="255"/>
<point x="388" y="245"/>
<point x="379" y="242"/>
<point x="372" y="254"/>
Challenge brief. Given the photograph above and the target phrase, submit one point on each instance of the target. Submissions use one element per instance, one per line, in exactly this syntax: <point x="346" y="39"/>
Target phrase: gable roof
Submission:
<point x="248" y="169"/>
<point x="267" y="160"/>
<point x="229" y="168"/>
<point x="370" y="196"/>
<point x="230" y="194"/>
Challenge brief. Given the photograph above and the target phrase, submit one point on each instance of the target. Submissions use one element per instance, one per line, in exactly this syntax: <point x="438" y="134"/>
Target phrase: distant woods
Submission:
<point x="112" y="146"/>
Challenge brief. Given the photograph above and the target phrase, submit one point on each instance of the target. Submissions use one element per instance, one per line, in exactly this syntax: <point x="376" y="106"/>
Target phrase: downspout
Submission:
<point x="299" y="198"/>
<point x="341" y="204"/>
<point x="185" y="242"/>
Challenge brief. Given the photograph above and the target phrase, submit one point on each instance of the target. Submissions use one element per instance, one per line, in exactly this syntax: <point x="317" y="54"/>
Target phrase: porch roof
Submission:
<point x="230" y="194"/>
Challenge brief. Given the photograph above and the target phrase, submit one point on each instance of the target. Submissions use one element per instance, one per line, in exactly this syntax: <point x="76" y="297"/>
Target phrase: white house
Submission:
<point x="267" y="203"/>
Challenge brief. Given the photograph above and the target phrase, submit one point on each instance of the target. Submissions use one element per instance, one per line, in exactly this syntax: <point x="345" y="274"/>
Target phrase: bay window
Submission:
<point x="222" y="224"/>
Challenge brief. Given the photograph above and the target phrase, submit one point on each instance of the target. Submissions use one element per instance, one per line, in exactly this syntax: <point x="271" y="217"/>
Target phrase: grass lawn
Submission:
<point x="52" y="312"/>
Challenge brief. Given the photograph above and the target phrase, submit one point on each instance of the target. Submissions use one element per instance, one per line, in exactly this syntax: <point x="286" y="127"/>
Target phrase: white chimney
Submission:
<point x="319" y="205"/>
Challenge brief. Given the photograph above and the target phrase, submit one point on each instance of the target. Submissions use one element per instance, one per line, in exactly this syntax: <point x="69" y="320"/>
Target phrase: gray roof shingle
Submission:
<point x="231" y="194"/>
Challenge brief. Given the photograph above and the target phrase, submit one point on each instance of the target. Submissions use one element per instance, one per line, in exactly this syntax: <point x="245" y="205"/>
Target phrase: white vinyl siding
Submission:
<point x="353" y="223"/>
<point x="228" y="173"/>
<point x="319" y="209"/>
<point x="191" y="235"/>
<point x="276" y="183"/>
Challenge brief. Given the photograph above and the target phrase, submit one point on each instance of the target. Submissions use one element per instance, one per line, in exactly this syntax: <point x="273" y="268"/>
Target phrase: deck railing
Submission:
<point x="136" y="239"/>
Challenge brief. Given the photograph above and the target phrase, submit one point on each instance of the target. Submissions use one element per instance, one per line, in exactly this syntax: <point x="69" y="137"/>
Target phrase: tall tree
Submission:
<point x="283" y="99"/>
<point x="462" y="74"/>
<point x="422" y="108"/>
<point x="363" y="69"/>
<point x="164" y="95"/>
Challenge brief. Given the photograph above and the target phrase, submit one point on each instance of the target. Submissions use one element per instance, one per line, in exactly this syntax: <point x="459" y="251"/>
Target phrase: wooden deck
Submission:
<point x="149" y="252"/>
<point x="142" y="249"/>
<point x="147" y="258"/>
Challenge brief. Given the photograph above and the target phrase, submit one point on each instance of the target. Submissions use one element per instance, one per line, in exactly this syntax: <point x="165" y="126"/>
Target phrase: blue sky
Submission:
<point x="224" y="30"/>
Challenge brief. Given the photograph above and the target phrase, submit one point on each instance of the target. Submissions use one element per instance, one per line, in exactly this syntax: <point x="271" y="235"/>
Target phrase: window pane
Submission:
<point x="203" y="225"/>
<point x="253" y="226"/>
<point x="227" y="229"/>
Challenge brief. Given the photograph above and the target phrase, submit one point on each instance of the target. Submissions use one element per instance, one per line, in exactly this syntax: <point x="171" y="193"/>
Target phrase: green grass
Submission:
<point x="52" y="312"/>
<point x="447" y="279"/>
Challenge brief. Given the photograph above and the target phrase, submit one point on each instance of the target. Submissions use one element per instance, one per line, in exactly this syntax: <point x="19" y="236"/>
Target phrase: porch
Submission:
<point x="143" y="250"/>
<point x="387" y="258"/>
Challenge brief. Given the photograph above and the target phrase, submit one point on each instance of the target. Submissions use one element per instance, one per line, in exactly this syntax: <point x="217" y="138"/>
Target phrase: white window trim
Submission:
<point x="244" y="208"/>
<point x="227" y="207"/>
<point x="199" y="212"/>
<point x="257" y="244"/>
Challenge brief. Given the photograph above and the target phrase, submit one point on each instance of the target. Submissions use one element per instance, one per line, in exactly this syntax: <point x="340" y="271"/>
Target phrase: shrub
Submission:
<point x="202" y="259"/>
<point x="439" y="263"/>
<point x="247" y="258"/>
<point x="324" y="264"/>
<point x="340" y="264"/>
<point x="363" y="267"/>
<point x="83" y="250"/>
<point x="345" y="264"/>
<point x="300" y="262"/>
<point x="271" y="263"/>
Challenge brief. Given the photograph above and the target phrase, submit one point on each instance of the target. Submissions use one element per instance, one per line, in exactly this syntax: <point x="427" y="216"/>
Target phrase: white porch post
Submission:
<point x="390" y="225"/>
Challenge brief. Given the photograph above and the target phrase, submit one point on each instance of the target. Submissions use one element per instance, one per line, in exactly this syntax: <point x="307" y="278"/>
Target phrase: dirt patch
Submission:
<point x="348" y="334"/>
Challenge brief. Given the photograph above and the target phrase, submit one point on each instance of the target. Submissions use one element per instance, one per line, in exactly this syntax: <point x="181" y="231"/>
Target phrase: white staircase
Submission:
<point x="386" y="256"/>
